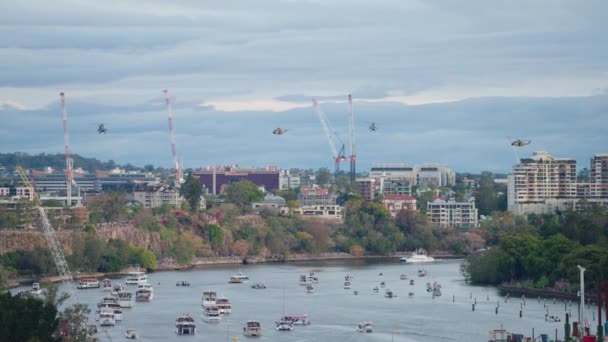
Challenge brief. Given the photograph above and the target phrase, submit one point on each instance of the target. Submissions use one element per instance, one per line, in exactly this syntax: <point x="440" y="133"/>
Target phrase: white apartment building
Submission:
<point x="544" y="184"/>
<point x="288" y="181"/>
<point x="155" y="195"/>
<point x="452" y="214"/>
<point x="16" y="192"/>
<point x="428" y="174"/>
<point x="331" y="211"/>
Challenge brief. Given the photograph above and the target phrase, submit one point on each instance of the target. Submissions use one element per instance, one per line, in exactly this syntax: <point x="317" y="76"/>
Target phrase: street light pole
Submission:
<point x="582" y="307"/>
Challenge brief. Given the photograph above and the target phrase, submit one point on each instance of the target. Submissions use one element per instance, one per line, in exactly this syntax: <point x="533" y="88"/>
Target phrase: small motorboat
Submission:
<point x="403" y="277"/>
<point x="252" y="329"/>
<point x="552" y="318"/>
<point x="258" y="286"/>
<point x="284" y="325"/>
<point x="376" y="289"/>
<point x="347" y="285"/>
<point x="182" y="283"/>
<point x="389" y="294"/>
<point x="131" y="334"/>
<point x="411" y="294"/>
<point x="422" y="273"/>
<point x="310" y="288"/>
<point x="356" y="293"/>
<point x="365" y="327"/>
<point x="36" y="290"/>
<point x="411" y="281"/>
<point x="382" y="284"/>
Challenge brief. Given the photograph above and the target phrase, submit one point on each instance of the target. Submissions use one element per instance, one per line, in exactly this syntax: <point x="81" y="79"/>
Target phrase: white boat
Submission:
<point x="303" y="279"/>
<point x="500" y="335"/>
<point x="224" y="305"/>
<point x="296" y="320"/>
<point x="403" y="277"/>
<point x="144" y="295"/>
<point x="347" y="285"/>
<point x="258" y="286"/>
<point x="284" y="325"/>
<point x="185" y="325"/>
<point x="310" y="288"/>
<point x="365" y="327"/>
<point x="117" y="314"/>
<point x="116" y="289"/>
<point x="211" y="314"/>
<point x="106" y="318"/>
<point x="125" y="299"/>
<point x="422" y="273"/>
<point x="36" y="290"/>
<point x="131" y="334"/>
<point x="313" y="279"/>
<point x="209" y="298"/>
<point x="239" y="278"/>
<point x="136" y="278"/>
<point x="106" y="284"/>
<point x="252" y="329"/>
<point x="89" y="283"/>
<point x="418" y="256"/>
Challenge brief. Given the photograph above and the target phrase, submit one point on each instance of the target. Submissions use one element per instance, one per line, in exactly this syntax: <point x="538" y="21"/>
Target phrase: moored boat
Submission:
<point x="422" y="273"/>
<point x="239" y="278"/>
<point x="88" y="283"/>
<point x="258" y="286"/>
<point x="418" y="256"/>
<point x="209" y="298"/>
<point x="224" y="305"/>
<point x="500" y="335"/>
<point x="347" y="285"/>
<point x="182" y="283"/>
<point x="310" y="288"/>
<point x="136" y="278"/>
<point x="211" y="313"/>
<point x="125" y="299"/>
<point x="36" y="290"/>
<point x="252" y="329"/>
<point x="403" y="277"/>
<point x="131" y="334"/>
<point x="284" y="325"/>
<point x="144" y="295"/>
<point x="184" y="325"/>
<point x="106" y="284"/>
<point x="106" y="318"/>
<point x="296" y="320"/>
<point x="389" y="294"/>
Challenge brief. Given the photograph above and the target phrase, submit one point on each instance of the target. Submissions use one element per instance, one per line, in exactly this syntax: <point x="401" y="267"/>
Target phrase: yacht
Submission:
<point x="239" y="278"/>
<point x="296" y="320"/>
<point x="136" y="278"/>
<point x="106" y="284"/>
<point x="500" y="335"/>
<point x="106" y="318"/>
<point x="116" y="289"/>
<point x="418" y="256"/>
<point x="211" y="314"/>
<point x="36" y="290"/>
<point x="365" y="327"/>
<point x="209" y="298"/>
<point x="125" y="299"/>
<point x="185" y="325"/>
<point x="347" y="285"/>
<point x="252" y="329"/>
<point x="284" y="325"/>
<point x="89" y="283"/>
<point x="224" y="305"/>
<point x="144" y="295"/>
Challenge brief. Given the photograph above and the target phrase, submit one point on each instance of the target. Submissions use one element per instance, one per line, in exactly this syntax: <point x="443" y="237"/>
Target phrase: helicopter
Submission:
<point x="372" y="127"/>
<point x="102" y="129"/>
<point x="279" y="131"/>
<point x="520" y="143"/>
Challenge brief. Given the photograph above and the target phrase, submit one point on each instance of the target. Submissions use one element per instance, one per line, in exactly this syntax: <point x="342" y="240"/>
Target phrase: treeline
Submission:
<point x="542" y="249"/>
<point x="57" y="162"/>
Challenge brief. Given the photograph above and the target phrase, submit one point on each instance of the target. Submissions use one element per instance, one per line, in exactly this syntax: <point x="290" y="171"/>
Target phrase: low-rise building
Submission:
<point x="395" y="203"/>
<point x="287" y="181"/>
<point x="270" y="202"/>
<point x="452" y="214"/>
<point x="155" y="195"/>
<point x="331" y="211"/>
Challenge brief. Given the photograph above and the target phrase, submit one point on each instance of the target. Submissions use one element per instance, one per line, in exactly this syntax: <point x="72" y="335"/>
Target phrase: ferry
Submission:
<point x="36" y="290"/>
<point x="252" y="329"/>
<point x="136" y="278"/>
<point x="224" y="305"/>
<point x="365" y="327"/>
<point x="106" y="318"/>
<point x="296" y="320"/>
<point x="185" y="325"/>
<point x="106" y="284"/>
<point x="209" y="298"/>
<point x="418" y="256"/>
<point x="211" y="314"/>
<point x="89" y="283"/>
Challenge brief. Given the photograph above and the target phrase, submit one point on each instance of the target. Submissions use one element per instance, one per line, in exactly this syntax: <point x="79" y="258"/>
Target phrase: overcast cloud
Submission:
<point x="445" y="82"/>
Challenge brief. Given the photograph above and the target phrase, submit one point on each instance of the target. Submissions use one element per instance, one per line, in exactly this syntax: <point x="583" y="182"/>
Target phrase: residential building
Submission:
<point x="544" y="184"/>
<point x="395" y="203"/>
<point x="270" y="202"/>
<point x="16" y="192"/>
<point x="288" y="181"/>
<point x="368" y="188"/>
<point x="156" y="195"/>
<point x="452" y="214"/>
<point x="332" y="211"/>
<point x="316" y="196"/>
<point x="216" y="177"/>
<point x="435" y="175"/>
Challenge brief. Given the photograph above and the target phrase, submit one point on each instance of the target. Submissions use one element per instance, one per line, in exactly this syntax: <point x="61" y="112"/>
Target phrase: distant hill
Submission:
<point x="57" y="161"/>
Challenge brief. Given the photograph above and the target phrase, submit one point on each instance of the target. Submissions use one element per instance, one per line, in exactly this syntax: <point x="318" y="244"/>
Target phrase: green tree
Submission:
<point x="485" y="196"/>
<point x="192" y="189"/>
<point x="215" y="236"/>
<point x="323" y="176"/>
<point x="243" y="193"/>
<point x="108" y="207"/>
<point x="25" y="318"/>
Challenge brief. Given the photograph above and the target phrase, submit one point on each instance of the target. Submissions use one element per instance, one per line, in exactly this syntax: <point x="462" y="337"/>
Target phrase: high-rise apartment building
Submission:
<point x="598" y="176"/>
<point x="452" y="214"/>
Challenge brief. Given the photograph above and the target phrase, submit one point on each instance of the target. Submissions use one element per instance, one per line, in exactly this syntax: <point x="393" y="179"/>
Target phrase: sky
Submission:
<point x="446" y="82"/>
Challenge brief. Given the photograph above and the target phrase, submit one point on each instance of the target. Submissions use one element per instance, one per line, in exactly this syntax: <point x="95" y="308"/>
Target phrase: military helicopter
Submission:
<point x="520" y="143"/>
<point x="102" y="129"/>
<point x="372" y="127"/>
<point x="279" y="131"/>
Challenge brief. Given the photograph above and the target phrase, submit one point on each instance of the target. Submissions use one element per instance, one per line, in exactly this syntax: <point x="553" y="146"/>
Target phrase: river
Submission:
<point x="334" y="311"/>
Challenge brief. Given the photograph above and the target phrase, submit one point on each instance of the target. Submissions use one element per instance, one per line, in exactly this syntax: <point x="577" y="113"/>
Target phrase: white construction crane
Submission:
<point x="332" y="137"/>
<point x="179" y="177"/>
<point x="51" y="238"/>
<point x="353" y="154"/>
<point x="69" y="162"/>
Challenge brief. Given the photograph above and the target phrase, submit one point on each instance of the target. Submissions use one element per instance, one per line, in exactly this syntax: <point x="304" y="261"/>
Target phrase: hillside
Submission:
<point x="57" y="161"/>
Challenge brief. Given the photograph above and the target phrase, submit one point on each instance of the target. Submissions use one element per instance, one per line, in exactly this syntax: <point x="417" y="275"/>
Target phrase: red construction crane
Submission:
<point x="332" y="137"/>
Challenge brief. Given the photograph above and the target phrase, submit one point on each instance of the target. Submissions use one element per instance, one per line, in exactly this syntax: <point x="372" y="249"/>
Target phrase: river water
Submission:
<point x="333" y="310"/>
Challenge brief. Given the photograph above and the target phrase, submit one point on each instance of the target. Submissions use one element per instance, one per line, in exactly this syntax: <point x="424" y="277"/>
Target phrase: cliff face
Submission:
<point x="13" y="240"/>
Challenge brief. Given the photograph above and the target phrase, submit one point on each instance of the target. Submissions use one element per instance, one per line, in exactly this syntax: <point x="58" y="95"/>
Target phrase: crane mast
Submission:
<point x="51" y="238"/>
<point x="178" y="171"/>
<point x="337" y="155"/>
<point x="69" y="162"/>
<point x="353" y="154"/>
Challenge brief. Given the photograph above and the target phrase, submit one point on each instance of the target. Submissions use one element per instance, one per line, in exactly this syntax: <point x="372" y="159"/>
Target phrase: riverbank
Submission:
<point x="547" y="293"/>
<point x="223" y="261"/>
